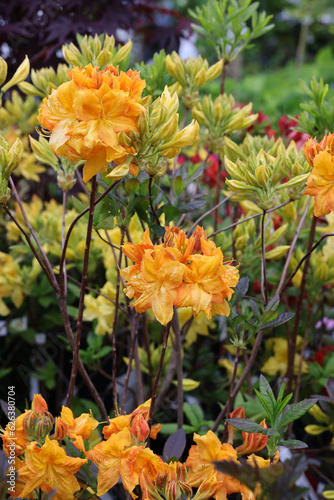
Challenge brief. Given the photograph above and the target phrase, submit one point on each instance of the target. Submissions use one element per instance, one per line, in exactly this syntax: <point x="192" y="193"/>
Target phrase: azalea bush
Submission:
<point x="167" y="260"/>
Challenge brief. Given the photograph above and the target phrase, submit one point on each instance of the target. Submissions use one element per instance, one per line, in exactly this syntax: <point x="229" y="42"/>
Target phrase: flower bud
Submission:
<point x="65" y="181"/>
<point x="122" y="53"/>
<point x="237" y="413"/>
<point x="3" y="70"/>
<point x="214" y="71"/>
<point x="20" y="74"/>
<point x="104" y="58"/>
<point x="277" y="253"/>
<point x="60" y="429"/>
<point x="28" y="423"/>
<point x="184" y="138"/>
<point x="43" y="426"/>
<point x="39" y="406"/>
<point x="253" y="441"/>
<point x="290" y="212"/>
<point x="321" y="272"/>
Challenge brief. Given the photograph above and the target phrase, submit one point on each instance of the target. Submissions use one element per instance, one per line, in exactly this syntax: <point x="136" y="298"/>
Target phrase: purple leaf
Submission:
<point x="174" y="445"/>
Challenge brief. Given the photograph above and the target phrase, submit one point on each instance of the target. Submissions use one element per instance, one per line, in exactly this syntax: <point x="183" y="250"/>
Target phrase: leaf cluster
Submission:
<point x="278" y="413"/>
<point x="230" y="25"/>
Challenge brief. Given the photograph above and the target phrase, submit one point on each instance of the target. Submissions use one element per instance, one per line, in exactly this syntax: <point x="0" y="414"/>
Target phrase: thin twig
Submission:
<point x="62" y="241"/>
<point x="114" y="357"/>
<point x="249" y="218"/>
<point x="229" y="402"/>
<point x="178" y="355"/>
<point x="157" y="377"/>
<point x="218" y="188"/>
<point x="299" y="375"/>
<point x="291" y="249"/>
<point x="131" y="353"/>
<point x="209" y="212"/>
<point x="241" y="380"/>
<point x="86" y="378"/>
<point x="82" y="294"/>
<point x="151" y="200"/>
<point x="299" y="309"/>
<point x="33" y="249"/>
<point x="73" y="223"/>
<point x="34" y="235"/>
<point x="263" y="262"/>
<point x="292" y="275"/>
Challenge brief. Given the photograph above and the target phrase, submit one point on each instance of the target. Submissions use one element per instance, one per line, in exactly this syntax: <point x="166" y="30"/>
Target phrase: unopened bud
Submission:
<point x="3" y="70"/>
<point x="20" y="74"/>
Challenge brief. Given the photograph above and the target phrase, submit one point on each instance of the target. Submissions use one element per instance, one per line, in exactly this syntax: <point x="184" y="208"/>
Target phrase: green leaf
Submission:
<point x="241" y="289"/>
<point x="293" y="444"/>
<point x="246" y="425"/>
<point x="191" y="415"/>
<point x="281" y="318"/>
<point x="267" y="394"/>
<point x="295" y="411"/>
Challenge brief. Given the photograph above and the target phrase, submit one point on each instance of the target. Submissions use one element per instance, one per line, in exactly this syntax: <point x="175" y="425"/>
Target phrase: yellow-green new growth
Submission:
<point x="222" y="118"/>
<point x="98" y="51"/>
<point x="9" y="160"/>
<point x="191" y="75"/>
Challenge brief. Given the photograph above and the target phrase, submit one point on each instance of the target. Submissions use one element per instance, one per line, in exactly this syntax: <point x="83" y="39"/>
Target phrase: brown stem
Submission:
<point x="82" y="294"/>
<point x="33" y="249"/>
<point x="151" y="200"/>
<point x="62" y="241"/>
<point x="299" y="375"/>
<point x="249" y="218"/>
<point x="218" y="188"/>
<point x="139" y="377"/>
<point x="263" y="262"/>
<point x="299" y="309"/>
<point x="248" y="379"/>
<point x="178" y="353"/>
<point x="223" y="77"/>
<point x="146" y="340"/>
<point x="86" y="378"/>
<point x="70" y="229"/>
<point x="114" y="357"/>
<point x="157" y="377"/>
<point x="241" y="380"/>
<point x="44" y="257"/>
<point x="229" y="402"/>
<point x="291" y="249"/>
<point x="134" y="335"/>
<point x="324" y="236"/>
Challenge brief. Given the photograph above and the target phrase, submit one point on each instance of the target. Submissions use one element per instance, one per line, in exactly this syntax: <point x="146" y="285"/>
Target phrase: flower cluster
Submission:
<point x="180" y="272"/>
<point x="41" y="462"/>
<point x="320" y="183"/>
<point x="86" y="114"/>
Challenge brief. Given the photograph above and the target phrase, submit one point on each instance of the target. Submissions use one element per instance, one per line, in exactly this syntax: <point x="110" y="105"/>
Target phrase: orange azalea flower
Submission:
<point x="86" y="114"/>
<point x="180" y="272"/>
<point x="117" y="457"/>
<point x="320" y="183"/>
<point x="209" y="449"/>
<point x="253" y="441"/>
<point x="79" y="428"/>
<point x="137" y="427"/>
<point x="50" y="469"/>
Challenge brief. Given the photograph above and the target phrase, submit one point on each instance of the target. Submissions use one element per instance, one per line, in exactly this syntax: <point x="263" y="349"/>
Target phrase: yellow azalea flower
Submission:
<point x="279" y="362"/>
<point x="79" y="428"/>
<point x="320" y="183"/>
<point x="86" y="114"/>
<point x="50" y="469"/>
<point x="209" y="449"/>
<point x="101" y="308"/>
<point x="136" y="422"/>
<point x="180" y="272"/>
